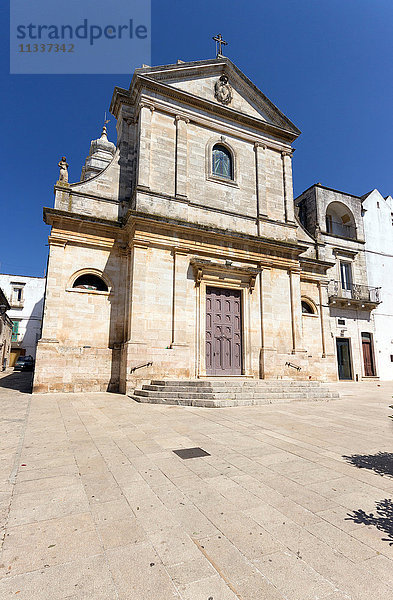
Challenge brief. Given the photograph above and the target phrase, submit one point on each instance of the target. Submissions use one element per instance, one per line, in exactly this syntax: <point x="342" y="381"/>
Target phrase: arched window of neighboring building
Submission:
<point x="340" y="220"/>
<point x="308" y="308"/>
<point x="222" y="162"/>
<point x="89" y="281"/>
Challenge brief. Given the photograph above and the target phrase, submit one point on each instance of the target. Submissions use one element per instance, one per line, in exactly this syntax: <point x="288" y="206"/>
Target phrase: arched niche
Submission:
<point x="340" y="220"/>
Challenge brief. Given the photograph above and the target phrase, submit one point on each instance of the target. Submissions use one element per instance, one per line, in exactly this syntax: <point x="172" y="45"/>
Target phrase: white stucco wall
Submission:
<point x="30" y="314"/>
<point x="378" y="228"/>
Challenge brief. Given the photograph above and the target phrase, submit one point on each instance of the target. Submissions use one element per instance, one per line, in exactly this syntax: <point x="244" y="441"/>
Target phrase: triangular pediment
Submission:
<point x="198" y="79"/>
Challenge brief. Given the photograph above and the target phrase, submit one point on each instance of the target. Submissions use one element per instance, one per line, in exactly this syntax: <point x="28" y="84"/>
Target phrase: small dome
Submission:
<point x="102" y="144"/>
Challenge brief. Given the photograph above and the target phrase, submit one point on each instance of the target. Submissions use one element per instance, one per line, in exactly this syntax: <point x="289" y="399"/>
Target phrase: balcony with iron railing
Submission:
<point x="354" y="295"/>
<point x="340" y="229"/>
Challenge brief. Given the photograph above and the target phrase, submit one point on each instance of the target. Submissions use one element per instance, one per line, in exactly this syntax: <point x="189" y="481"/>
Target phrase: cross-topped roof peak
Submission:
<point x="219" y="43"/>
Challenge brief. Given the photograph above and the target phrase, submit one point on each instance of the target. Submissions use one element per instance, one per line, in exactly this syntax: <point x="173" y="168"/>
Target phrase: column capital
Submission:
<point x="260" y="145"/>
<point x="294" y="271"/>
<point x="182" y="118"/>
<point x="180" y="251"/>
<point x="142" y="105"/>
<point x="323" y="284"/>
<point x="124" y="249"/>
<point x="57" y="241"/>
<point x="147" y="105"/>
<point x="139" y="244"/>
<point x="285" y="153"/>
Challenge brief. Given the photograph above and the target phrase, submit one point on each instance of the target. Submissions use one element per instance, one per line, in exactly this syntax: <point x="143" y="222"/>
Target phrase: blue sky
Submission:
<point x="327" y="64"/>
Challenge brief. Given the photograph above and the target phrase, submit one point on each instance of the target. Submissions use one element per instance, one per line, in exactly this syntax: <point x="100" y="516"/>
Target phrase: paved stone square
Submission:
<point x="95" y="505"/>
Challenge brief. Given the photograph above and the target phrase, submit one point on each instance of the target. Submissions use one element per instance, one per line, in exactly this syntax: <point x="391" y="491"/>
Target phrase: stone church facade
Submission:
<point x="179" y="254"/>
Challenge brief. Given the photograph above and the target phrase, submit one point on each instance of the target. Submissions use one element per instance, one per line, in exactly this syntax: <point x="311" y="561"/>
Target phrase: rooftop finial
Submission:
<point x="104" y="133"/>
<point x="219" y="43"/>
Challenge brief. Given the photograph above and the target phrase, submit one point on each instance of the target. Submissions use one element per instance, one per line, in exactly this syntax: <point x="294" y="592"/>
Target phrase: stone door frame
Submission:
<point x="230" y="295"/>
<point x="245" y="293"/>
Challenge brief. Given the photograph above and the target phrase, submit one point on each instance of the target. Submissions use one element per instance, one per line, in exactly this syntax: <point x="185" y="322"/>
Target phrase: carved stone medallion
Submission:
<point x="223" y="90"/>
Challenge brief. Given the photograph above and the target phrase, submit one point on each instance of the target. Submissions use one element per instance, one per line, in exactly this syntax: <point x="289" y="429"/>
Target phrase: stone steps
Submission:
<point x="238" y="394"/>
<point x="222" y="382"/>
<point x="221" y="393"/>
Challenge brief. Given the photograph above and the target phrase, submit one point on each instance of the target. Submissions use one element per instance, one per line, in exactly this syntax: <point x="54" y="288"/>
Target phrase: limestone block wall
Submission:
<point x="162" y="153"/>
<point x="237" y="196"/>
<point x="75" y="199"/>
<point x="82" y="329"/>
<point x="308" y="210"/>
<point x="167" y="320"/>
<point x="281" y="331"/>
<point x="313" y="203"/>
<point x="162" y="316"/>
<point x="175" y="172"/>
<point x="317" y="333"/>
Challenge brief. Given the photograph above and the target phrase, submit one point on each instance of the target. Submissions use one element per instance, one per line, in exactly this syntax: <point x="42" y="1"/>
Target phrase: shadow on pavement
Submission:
<point x="382" y="519"/>
<point x="381" y="463"/>
<point x="19" y="381"/>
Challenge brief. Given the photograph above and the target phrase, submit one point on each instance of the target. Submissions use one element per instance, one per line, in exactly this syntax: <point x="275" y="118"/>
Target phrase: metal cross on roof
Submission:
<point x="219" y="43"/>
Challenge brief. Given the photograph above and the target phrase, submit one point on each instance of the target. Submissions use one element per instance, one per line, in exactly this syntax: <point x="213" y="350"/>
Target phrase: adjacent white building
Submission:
<point x="26" y="298"/>
<point x="378" y="229"/>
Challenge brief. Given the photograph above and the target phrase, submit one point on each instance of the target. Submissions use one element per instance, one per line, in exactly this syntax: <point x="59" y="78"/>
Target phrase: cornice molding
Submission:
<point x="203" y="268"/>
<point x="282" y="249"/>
<point x="51" y="215"/>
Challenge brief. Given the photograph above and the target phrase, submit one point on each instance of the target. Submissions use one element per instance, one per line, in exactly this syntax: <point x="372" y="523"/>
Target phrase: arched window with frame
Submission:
<point x="308" y="308"/>
<point x="91" y="282"/>
<point x="222" y="162"/>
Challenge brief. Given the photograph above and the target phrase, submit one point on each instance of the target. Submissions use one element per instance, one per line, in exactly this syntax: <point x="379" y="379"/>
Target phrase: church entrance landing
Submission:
<point x="223" y="331"/>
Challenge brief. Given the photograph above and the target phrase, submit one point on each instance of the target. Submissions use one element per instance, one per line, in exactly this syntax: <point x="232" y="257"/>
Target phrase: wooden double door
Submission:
<point x="368" y="355"/>
<point x="223" y="331"/>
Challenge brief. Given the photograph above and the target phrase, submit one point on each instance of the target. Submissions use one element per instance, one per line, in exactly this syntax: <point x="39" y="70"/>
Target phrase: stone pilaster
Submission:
<point x="267" y="353"/>
<point x="126" y="255"/>
<point x="289" y="209"/>
<point x="135" y="347"/>
<point x="137" y="301"/>
<point x="181" y="159"/>
<point x="324" y="316"/>
<point x="296" y="310"/>
<point x="144" y="154"/>
<point x="260" y="177"/>
<point x="126" y="262"/>
<point x="54" y="297"/>
<point x="179" y="298"/>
